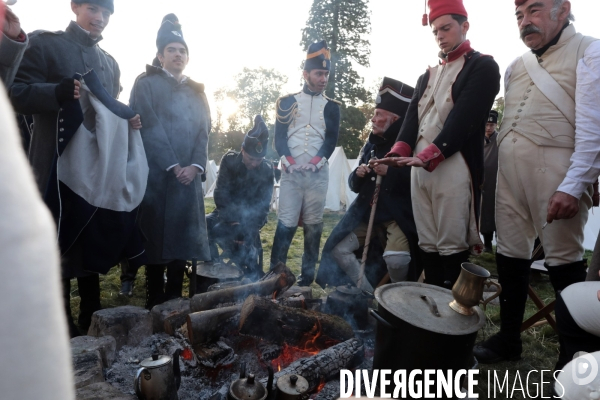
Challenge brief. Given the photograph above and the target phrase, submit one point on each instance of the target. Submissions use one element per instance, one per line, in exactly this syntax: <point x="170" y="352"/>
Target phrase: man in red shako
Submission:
<point x="442" y="139"/>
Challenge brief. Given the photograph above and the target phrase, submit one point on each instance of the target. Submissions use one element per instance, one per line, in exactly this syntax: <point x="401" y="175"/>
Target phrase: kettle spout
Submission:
<point x="176" y="370"/>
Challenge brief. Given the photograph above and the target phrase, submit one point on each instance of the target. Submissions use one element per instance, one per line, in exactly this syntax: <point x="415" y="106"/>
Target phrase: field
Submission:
<point x="540" y="344"/>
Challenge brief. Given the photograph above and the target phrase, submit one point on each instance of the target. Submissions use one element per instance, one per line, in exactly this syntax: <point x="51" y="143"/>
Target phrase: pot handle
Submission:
<point x="136" y="382"/>
<point x="489" y="283"/>
<point x="380" y="319"/>
<point x="432" y="305"/>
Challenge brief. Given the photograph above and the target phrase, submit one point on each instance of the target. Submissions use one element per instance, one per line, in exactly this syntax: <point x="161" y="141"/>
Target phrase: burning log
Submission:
<point x="275" y="282"/>
<point x="174" y="322"/>
<point x="327" y="364"/>
<point x="278" y="324"/>
<point x="208" y="326"/>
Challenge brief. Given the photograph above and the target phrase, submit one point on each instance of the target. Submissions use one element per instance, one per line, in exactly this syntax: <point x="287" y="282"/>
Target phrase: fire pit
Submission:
<point x="261" y="330"/>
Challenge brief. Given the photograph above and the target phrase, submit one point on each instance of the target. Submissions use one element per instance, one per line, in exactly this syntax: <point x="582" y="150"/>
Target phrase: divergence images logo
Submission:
<point x="585" y="368"/>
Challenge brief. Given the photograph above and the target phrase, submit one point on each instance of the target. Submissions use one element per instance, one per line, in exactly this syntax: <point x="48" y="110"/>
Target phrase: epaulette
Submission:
<point x="335" y="101"/>
<point x="286" y="116"/>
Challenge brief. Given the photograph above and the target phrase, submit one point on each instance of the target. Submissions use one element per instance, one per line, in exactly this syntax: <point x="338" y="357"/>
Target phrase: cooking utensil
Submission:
<point x="468" y="289"/>
<point x="158" y="378"/>
<point x="292" y="387"/>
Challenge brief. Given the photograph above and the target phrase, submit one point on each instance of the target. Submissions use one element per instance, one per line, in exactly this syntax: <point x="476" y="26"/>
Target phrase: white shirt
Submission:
<point x="585" y="161"/>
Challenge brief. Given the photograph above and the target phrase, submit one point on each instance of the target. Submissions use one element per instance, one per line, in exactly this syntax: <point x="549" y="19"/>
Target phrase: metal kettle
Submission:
<point x="158" y="378"/>
<point x="292" y="387"/>
<point x="249" y="388"/>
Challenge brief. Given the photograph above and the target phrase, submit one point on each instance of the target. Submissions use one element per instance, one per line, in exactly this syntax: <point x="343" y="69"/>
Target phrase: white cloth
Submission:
<point x="585" y="161"/>
<point x="33" y="335"/>
<point x="582" y="301"/>
<point x="106" y="165"/>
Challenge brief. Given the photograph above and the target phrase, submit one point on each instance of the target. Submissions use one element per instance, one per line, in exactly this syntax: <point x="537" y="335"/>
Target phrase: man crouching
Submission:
<point x="393" y="217"/>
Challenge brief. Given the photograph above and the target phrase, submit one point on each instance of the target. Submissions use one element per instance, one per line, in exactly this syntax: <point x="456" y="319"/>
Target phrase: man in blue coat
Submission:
<point x="394" y="226"/>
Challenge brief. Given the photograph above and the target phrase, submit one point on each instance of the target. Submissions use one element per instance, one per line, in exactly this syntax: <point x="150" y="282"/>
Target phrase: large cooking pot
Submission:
<point x="417" y="329"/>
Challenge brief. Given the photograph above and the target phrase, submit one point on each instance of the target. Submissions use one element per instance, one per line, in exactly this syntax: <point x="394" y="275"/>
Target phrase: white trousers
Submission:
<point x="303" y="195"/>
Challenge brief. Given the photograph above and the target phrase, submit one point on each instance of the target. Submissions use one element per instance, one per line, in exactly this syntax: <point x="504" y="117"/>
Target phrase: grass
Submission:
<point x="540" y="344"/>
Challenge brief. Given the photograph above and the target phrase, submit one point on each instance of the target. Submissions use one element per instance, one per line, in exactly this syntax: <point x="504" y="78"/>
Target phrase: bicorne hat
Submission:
<point x="108" y="4"/>
<point x="170" y="32"/>
<point x="437" y="8"/>
<point x="255" y="141"/>
<point x="318" y="57"/>
<point x="394" y="96"/>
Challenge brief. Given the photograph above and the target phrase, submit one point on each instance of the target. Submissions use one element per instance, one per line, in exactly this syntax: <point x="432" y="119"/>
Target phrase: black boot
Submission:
<point x="562" y="276"/>
<point x="433" y="268"/>
<point x="89" y="292"/>
<point x="73" y="330"/>
<point x="281" y="243"/>
<point x="487" y="242"/>
<point x="513" y="276"/>
<point x="155" y="284"/>
<point x="312" y="243"/>
<point x="174" y="286"/>
<point x="453" y="266"/>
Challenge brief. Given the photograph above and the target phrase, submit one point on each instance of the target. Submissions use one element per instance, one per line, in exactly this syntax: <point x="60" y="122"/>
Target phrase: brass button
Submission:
<point x="61" y="130"/>
<point x="447" y="100"/>
<point x="519" y="110"/>
<point x="424" y="95"/>
<point x="532" y="83"/>
<point x="306" y="133"/>
<point x="444" y="144"/>
<point x="522" y="104"/>
<point x="540" y="60"/>
<point x="422" y="130"/>
<point x="61" y="140"/>
<point x="428" y="86"/>
<point x="61" y="120"/>
<point x="372" y="178"/>
<point x="514" y="124"/>
<point x="515" y="140"/>
<point x="517" y="117"/>
<point x="525" y="98"/>
<point x="528" y="90"/>
<point x="419" y="105"/>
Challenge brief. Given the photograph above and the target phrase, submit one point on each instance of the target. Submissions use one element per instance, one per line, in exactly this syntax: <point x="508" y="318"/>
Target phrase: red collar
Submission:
<point x="461" y="50"/>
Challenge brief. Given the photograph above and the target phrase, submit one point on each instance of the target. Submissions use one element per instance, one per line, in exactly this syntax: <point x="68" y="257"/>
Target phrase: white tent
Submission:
<point x="339" y="195"/>
<point x="352" y="163"/>
<point x="211" y="176"/>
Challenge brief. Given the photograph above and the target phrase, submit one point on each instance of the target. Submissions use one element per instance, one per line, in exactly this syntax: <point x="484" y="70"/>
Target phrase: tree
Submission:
<point x="344" y="24"/>
<point x="352" y="124"/>
<point x="256" y="91"/>
<point x="499" y="106"/>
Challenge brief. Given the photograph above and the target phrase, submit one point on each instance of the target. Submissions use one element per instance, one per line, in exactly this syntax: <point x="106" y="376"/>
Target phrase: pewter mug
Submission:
<point x="158" y="378"/>
<point x="468" y="289"/>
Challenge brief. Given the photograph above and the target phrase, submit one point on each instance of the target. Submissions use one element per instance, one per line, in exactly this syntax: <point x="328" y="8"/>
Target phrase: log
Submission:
<point x="208" y="326"/>
<point x="174" y="322"/>
<point x="267" y="320"/>
<point x="275" y="282"/>
<point x="326" y="364"/>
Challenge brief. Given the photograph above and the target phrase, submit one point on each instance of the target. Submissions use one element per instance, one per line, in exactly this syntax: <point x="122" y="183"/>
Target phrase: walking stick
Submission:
<point x="370" y="225"/>
<point x="192" y="289"/>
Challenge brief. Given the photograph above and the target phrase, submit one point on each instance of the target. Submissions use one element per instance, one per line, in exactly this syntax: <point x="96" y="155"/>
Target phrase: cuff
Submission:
<point x="401" y="149"/>
<point x="318" y="161"/>
<point x="433" y="155"/>
<point x="199" y="167"/>
<point x="288" y="160"/>
<point x="573" y="187"/>
<point x="172" y="166"/>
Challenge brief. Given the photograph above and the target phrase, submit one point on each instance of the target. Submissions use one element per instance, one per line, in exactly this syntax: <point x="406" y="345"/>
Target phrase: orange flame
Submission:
<point x="321" y="385"/>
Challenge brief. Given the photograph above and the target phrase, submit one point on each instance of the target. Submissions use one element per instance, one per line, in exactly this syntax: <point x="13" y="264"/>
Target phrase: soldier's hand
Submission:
<point x="363" y="170"/>
<point x="176" y="169"/>
<point x="309" y="167"/>
<point x="12" y="25"/>
<point x="381" y="169"/>
<point x="294" y="168"/>
<point x="562" y="206"/>
<point x="77" y="87"/>
<point x="410" y="162"/>
<point x="136" y="122"/>
<point x="391" y="161"/>
<point x="187" y="174"/>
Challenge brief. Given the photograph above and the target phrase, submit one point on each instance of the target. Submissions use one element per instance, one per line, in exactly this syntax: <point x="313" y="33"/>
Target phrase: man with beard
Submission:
<point x="393" y="217"/>
<point x="176" y="126"/>
<point x="444" y="129"/>
<point x="243" y="196"/>
<point x="306" y="132"/>
<point x="487" y="225"/>
<point x="43" y="84"/>
<point x="547" y="161"/>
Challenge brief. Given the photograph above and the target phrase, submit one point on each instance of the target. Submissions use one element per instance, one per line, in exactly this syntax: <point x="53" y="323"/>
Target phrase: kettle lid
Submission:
<point x="156" y="361"/>
<point x="247" y="389"/>
<point x="292" y="385"/>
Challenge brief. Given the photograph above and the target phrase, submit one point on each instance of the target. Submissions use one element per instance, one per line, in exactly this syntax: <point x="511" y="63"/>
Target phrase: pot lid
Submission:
<point x="219" y="270"/>
<point x="247" y="389"/>
<point x="349" y="289"/>
<point x="155" y="361"/>
<point x="293" y="385"/>
<point x="427" y="307"/>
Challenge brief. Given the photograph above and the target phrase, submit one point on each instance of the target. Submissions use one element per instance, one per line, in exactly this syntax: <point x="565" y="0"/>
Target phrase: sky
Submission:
<point x="224" y="36"/>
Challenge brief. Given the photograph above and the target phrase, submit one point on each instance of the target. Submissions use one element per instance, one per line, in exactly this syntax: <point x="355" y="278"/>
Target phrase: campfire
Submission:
<point x="262" y="326"/>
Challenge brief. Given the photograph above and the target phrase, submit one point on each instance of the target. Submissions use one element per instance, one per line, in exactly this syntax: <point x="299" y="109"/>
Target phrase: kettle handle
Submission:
<point x="176" y="369"/>
<point x="489" y="283"/>
<point x="136" y="382"/>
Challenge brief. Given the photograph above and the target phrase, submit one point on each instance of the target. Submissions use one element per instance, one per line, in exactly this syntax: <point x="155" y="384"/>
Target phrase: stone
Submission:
<point x="106" y="345"/>
<point x="167" y="309"/>
<point x="87" y="368"/>
<point x="102" y="391"/>
<point x="129" y="325"/>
